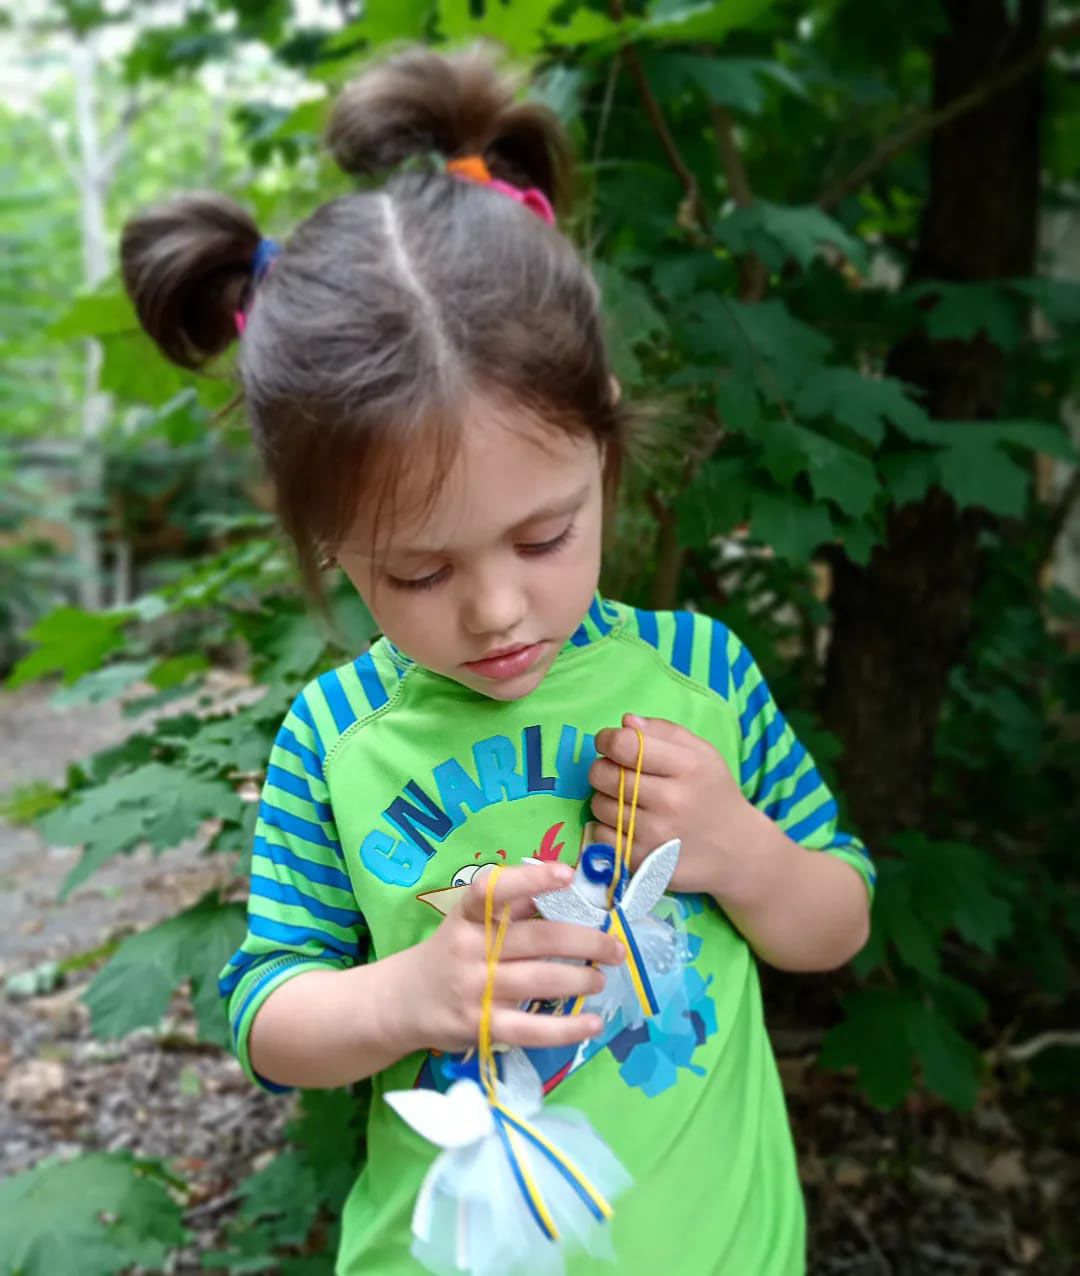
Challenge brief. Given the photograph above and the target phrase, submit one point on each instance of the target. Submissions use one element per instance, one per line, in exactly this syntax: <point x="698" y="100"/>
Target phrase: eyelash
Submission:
<point x="536" y="550"/>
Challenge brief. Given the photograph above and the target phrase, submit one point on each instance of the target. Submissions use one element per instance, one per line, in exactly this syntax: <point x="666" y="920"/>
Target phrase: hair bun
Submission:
<point x="187" y="266"/>
<point x="453" y="104"/>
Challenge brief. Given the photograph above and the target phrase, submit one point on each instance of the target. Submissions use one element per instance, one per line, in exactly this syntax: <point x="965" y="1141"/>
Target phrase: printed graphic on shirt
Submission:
<point x="650" y="1054"/>
<point x="500" y="769"/>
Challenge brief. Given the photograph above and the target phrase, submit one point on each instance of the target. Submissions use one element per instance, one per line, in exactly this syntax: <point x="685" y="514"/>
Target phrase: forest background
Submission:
<point x="839" y="244"/>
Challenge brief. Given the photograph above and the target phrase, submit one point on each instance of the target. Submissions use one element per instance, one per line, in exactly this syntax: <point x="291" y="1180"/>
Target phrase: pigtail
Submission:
<point x="460" y="104"/>
<point x="188" y="267"/>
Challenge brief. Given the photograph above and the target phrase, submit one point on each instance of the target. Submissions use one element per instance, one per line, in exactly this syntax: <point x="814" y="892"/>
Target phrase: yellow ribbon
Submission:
<point x="623" y="854"/>
<point x="514" y="1132"/>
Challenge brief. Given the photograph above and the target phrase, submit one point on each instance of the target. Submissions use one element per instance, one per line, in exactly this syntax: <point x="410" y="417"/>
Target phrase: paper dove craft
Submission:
<point x="514" y="1179"/>
<point x="639" y="914"/>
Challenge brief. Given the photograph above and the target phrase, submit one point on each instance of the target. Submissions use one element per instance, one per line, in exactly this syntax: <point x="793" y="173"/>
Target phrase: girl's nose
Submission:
<point x="494" y="606"/>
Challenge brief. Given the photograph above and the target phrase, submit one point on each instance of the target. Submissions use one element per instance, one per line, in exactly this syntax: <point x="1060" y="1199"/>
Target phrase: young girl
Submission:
<point x="425" y="372"/>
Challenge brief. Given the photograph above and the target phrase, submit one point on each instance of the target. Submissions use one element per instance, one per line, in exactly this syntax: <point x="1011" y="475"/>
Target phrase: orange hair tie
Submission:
<point x="471" y="167"/>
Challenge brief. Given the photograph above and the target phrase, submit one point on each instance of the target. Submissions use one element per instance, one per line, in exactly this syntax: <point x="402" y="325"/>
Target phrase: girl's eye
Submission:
<point x="547" y="547"/>
<point x="424" y="582"/>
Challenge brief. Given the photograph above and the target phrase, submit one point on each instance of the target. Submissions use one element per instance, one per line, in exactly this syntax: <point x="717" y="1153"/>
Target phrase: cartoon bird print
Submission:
<point x="443" y="900"/>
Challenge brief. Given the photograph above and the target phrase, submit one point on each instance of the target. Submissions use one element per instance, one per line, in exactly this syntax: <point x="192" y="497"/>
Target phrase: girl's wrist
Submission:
<point x="392" y="1004"/>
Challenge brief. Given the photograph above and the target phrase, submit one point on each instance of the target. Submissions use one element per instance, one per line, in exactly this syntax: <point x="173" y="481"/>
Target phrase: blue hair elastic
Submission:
<point x="265" y="255"/>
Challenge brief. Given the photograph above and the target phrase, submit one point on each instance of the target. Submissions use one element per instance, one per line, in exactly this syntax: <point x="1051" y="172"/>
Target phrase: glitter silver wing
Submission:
<point x="569" y="905"/>
<point x="648" y="884"/>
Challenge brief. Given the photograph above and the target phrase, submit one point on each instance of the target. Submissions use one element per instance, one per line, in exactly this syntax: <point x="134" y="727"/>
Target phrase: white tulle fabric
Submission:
<point x="471" y="1215"/>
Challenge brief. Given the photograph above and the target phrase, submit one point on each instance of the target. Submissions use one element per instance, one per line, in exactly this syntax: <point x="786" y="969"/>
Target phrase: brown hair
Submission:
<point x="386" y="308"/>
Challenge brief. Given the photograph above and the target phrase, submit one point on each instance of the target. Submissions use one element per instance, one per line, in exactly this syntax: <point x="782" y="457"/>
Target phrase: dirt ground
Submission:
<point x="919" y="1192"/>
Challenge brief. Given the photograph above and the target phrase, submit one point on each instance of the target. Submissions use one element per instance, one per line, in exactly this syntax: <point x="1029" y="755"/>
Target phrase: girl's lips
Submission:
<point x="509" y="665"/>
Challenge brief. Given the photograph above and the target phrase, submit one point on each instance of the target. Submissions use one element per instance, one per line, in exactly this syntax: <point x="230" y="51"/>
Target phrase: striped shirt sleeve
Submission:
<point x="778" y="775"/>
<point x="302" y="912"/>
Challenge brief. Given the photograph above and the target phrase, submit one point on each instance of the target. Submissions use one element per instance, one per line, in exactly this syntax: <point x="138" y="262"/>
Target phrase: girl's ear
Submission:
<point x="616" y="389"/>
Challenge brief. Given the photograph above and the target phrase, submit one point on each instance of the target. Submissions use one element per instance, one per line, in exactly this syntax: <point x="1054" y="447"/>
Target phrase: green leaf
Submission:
<point x="177" y="670"/>
<point x="1048" y="437"/>
<point x="790" y="525"/>
<point x="909" y="475"/>
<point x="871" y="1018"/>
<point x="963" y="311"/>
<point x="159" y="804"/>
<point x="715" y="502"/>
<point x="51" y="1218"/>
<point x="986" y="477"/>
<point x="384" y="22"/>
<point x="777" y="232"/>
<point x="951" y="1066"/>
<point x="711" y="21"/>
<point x="836" y="472"/>
<point x="103" y="684"/>
<point x="949" y="885"/>
<point x="134" y="989"/>
<point x="70" y="642"/>
<point x="912" y="1029"/>
<point x="777" y="349"/>
<point x="740" y="83"/>
<point x="588" y="27"/>
<point x="95" y="315"/>
<point x="864" y="404"/>
<point x="519" y="25"/>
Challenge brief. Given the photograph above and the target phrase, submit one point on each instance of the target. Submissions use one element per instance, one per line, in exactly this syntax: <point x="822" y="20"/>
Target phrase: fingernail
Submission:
<point x="564" y="873"/>
<point x="620" y="952"/>
<point x="632" y="720"/>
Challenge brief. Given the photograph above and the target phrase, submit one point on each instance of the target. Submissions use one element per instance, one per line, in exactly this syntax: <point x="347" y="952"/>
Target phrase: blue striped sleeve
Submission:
<point x="302" y="910"/>
<point x="778" y="775"/>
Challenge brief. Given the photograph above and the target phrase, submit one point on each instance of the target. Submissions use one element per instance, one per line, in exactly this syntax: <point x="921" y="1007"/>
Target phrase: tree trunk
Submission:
<point x="90" y="176"/>
<point x="902" y="623"/>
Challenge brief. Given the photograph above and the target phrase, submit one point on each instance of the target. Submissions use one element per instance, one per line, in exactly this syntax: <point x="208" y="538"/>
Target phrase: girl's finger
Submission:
<point x="534" y="940"/>
<point x="521" y="981"/>
<point x="606" y="811"/>
<point x="663" y="729"/>
<point x="515" y="889"/>
<point x="662" y="757"/>
<point x="519" y="1028"/>
<point x="604" y="777"/>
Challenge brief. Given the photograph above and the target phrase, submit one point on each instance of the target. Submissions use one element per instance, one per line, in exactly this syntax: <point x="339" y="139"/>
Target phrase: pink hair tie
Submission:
<point x="473" y="168"/>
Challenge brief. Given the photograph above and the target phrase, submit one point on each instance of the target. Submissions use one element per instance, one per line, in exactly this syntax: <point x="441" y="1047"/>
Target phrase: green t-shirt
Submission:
<point x="388" y="787"/>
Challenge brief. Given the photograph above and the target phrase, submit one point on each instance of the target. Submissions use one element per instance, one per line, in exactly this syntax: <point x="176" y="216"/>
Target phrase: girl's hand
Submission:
<point x="686" y="792"/>
<point x="446" y="973"/>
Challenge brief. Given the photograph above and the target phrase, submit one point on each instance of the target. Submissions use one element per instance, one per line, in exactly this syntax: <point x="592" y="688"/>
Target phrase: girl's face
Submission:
<point x="487" y="585"/>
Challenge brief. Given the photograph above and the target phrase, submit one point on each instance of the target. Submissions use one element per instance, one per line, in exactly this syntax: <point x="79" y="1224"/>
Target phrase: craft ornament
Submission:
<point x="515" y="1183"/>
<point x="648" y="923"/>
<point x="634" y="909"/>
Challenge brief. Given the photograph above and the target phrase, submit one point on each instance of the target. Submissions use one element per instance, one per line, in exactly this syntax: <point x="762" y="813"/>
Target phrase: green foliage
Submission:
<point x="94" y="1216"/>
<point x="70" y="642"/>
<point x="299" y="1189"/>
<point x="135" y="987"/>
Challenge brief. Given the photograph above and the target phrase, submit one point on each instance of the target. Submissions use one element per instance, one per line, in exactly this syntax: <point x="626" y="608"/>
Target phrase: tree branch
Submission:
<point x="660" y="127"/>
<point x="930" y="121"/>
<point x="753" y="279"/>
<point x="113" y="149"/>
<point x="1059" y="516"/>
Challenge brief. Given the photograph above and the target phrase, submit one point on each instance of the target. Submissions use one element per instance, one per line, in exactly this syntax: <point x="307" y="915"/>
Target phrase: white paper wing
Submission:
<point x="648" y="884"/>
<point x="451" y="1120"/>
